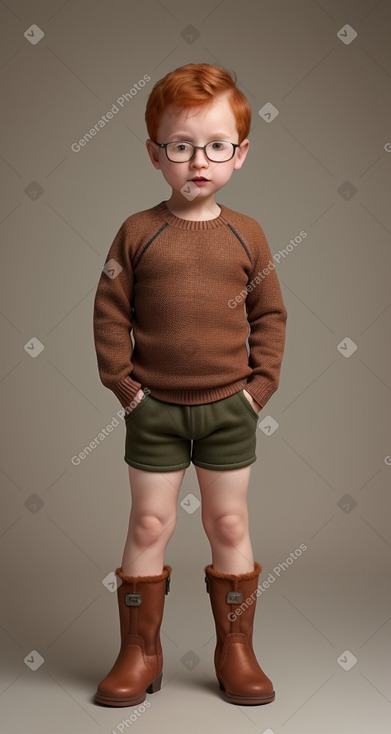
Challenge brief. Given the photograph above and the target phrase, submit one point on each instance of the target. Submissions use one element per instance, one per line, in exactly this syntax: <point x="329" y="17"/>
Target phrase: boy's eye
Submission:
<point x="181" y="147"/>
<point x="217" y="146"/>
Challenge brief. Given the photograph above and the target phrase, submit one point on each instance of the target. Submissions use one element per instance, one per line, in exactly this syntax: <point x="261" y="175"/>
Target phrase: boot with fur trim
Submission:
<point x="233" y="600"/>
<point x="138" y="667"/>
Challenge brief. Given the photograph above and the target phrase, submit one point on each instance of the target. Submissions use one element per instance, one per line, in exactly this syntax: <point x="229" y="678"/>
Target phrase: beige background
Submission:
<point x="322" y="479"/>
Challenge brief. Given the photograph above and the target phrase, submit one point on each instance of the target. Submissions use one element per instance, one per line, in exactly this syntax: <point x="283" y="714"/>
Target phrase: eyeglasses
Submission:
<point x="180" y="151"/>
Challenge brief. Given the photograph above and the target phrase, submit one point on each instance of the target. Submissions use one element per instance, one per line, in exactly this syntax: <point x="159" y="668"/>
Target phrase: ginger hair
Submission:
<point x="196" y="85"/>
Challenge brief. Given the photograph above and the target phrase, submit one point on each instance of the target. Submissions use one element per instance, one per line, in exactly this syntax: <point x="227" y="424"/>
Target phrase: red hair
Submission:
<point x="196" y="85"/>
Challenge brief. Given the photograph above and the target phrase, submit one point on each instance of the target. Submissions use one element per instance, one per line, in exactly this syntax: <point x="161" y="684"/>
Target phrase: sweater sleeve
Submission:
<point x="112" y="320"/>
<point x="267" y="317"/>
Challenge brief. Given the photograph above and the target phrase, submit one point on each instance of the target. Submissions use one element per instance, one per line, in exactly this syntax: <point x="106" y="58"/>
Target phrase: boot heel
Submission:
<point x="155" y="685"/>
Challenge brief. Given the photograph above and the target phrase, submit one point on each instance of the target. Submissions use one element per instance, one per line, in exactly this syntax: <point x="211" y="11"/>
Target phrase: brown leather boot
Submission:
<point x="138" y="667"/>
<point x="233" y="600"/>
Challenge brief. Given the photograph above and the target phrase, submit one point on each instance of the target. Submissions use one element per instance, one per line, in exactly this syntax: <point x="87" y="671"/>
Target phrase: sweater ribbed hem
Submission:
<point x="126" y="389"/>
<point x="198" y="397"/>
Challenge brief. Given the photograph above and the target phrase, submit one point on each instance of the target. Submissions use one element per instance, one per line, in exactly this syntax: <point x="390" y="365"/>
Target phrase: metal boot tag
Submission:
<point x="234" y="597"/>
<point x="132" y="600"/>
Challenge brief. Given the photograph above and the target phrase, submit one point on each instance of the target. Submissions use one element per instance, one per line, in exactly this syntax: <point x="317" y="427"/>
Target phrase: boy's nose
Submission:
<point x="200" y="158"/>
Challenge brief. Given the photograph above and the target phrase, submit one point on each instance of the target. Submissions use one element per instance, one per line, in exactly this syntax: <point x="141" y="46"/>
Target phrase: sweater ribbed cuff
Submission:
<point x="125" y="390"/>
<point x="260" y="389"/>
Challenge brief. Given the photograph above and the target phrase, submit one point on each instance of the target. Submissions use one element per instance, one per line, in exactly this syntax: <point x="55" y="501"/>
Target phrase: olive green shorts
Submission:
<point x="163" y="436"/>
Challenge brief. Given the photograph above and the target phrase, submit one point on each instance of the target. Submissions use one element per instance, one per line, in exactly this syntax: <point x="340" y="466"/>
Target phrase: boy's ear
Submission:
<point x="241" y="153"/>
<point x="153" y="153"/>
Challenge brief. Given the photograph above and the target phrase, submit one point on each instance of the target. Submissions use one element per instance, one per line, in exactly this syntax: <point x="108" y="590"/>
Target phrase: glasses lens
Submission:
<point x="219" y="151"/>
<point x="179" y="151"/>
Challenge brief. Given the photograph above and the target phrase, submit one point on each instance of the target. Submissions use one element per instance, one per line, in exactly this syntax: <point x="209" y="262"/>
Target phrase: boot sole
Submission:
<point x="117" y="702"/>
<point x="246" y="700"/>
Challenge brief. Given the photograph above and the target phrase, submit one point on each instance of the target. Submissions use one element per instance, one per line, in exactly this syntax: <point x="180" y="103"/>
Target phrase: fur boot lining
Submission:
<point x="147" y="579"/>
<point x="232" y="577"/>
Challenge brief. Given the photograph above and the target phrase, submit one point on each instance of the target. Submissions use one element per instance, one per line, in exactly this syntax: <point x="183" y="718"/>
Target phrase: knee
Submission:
<point x="228" y="529"/>
<point x="149" y="528"/>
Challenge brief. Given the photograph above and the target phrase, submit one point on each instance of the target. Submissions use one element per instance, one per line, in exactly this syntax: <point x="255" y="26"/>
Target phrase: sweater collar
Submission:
<point x="190" y="224"/>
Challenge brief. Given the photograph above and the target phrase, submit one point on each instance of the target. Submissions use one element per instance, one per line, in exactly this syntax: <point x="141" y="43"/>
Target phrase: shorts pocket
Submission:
<point x="248" y="405"/>
<point x="141" y="405"/>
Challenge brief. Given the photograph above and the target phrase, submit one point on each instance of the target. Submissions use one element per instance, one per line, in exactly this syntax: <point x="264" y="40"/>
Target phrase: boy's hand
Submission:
<point x="252" y="402"/>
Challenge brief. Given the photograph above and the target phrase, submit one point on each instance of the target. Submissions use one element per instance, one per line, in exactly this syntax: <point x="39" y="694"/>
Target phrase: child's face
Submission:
<point x="199" y="127"/>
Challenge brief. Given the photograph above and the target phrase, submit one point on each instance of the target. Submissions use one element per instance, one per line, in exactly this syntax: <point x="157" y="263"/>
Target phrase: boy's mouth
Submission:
<point x="199" y="178"/>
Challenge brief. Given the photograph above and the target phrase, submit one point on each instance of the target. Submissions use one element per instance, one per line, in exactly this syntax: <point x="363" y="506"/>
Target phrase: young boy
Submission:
<point x="193" y="279"/>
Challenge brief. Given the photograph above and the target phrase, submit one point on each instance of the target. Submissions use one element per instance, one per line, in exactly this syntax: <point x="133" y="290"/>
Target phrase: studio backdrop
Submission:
<point x="75" y="78"/>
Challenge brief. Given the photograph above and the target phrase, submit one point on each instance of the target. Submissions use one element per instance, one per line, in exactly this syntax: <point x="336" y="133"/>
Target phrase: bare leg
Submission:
<point x="152" y="520"/>
<point x="225" y="518"/>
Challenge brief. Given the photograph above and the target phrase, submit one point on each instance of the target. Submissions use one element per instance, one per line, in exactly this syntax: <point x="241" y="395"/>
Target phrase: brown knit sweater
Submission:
<point x="184" y="287"/>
